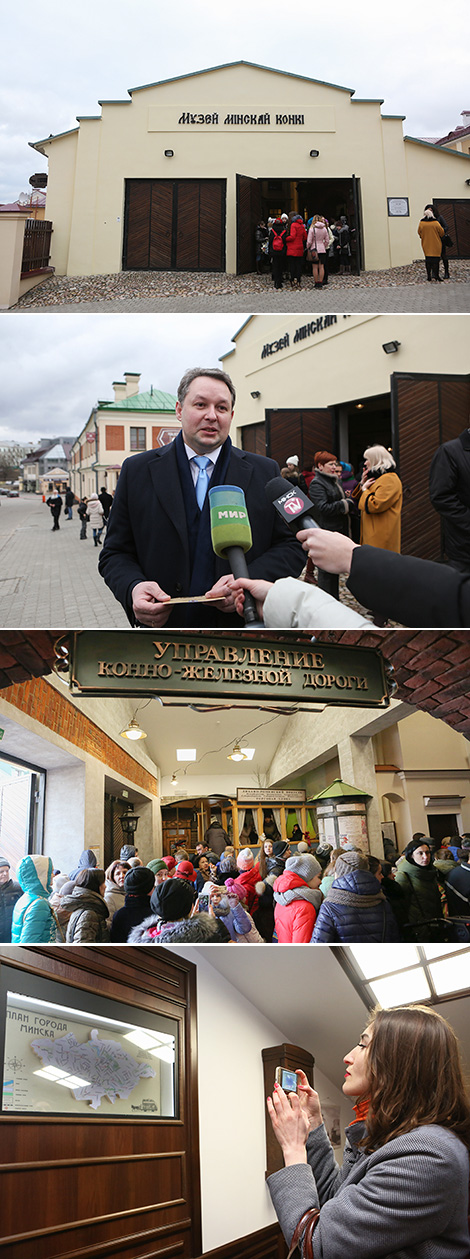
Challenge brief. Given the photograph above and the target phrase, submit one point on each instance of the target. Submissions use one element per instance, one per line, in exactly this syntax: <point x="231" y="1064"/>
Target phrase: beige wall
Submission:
<point x="87" y="172"/>
<point x="340" y="363"/>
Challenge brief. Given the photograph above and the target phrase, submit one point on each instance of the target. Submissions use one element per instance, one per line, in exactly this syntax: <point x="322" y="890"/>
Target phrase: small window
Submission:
<point x="138" y="439"/>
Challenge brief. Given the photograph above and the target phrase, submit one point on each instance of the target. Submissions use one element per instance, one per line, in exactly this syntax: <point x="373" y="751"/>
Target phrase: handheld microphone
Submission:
<point x="292" y="504"/>
<point x="231" y="537"/>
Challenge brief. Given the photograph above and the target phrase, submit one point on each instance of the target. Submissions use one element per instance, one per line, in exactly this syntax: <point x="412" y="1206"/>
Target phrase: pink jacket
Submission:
<point x="318" y="238"/>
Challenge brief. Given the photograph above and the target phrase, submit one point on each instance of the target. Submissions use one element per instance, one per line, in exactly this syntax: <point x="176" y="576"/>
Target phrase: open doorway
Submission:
<point x="265" y="198"/>
<point x="361" y="423"/>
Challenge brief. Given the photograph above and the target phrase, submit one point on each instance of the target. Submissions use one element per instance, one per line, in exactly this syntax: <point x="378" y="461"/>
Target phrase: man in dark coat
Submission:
<point x="449" y="489"/>
<point x="10" y="893"/>
<point x="158" y="544"/>
<point x="55" y="503"/>
<point x="216" y="837"/>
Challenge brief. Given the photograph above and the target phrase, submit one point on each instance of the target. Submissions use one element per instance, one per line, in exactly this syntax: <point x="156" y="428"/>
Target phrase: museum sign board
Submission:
<point x="193" y="666"/>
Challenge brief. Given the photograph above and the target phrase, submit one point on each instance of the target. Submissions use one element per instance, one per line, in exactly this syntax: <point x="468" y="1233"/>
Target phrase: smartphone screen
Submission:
<point x="203" y="904"/>
<point x="288" y="1081"/>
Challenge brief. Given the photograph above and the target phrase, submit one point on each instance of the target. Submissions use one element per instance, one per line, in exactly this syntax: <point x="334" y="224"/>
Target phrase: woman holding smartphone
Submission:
<point x="403" y="1187"/>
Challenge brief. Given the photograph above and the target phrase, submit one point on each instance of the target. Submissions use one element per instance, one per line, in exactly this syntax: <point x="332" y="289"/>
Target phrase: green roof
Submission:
<point x="438" y="148"/>
<point x="228" y="65"/>
<point x="150" y="401"/>
<point x="339" y="790"/>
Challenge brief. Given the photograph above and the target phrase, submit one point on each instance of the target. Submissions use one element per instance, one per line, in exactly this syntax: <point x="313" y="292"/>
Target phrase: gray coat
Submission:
<point x="408" y="1199"/>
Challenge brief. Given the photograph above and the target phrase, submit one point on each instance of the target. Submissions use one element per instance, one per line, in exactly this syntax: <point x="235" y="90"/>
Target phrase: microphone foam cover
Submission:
<point x="230" y="525"/>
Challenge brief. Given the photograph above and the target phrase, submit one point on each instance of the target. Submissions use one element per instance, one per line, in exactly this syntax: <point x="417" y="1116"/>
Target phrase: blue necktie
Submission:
<point x="203" y="479"/>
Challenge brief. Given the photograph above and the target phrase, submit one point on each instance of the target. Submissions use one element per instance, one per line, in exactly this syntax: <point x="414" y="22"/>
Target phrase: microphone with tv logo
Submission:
<point x="231" y="538"/>
<point x="293" y="505"/>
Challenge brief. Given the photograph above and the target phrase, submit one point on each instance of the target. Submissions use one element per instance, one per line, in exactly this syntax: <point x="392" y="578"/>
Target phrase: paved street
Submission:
<point x="50" y="580"/>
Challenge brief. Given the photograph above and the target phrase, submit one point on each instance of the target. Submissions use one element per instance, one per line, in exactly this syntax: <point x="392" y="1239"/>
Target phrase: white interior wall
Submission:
<point x="64" y="816"/>
<point x="231" y="1035"/>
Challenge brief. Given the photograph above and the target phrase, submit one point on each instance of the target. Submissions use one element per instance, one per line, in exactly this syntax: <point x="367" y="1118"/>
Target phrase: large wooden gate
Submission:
<point x="427" y="410"/>
<point x="299" y="432"/>
<point x="457" y="216"/>
<point x="174" y="225"/>
<point x="248" y="216"/>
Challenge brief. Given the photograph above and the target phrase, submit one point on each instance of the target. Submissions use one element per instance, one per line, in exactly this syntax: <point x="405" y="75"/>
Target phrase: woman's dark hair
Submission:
<point x="92" y="879"/>
<point x="415" y="1074"/>
<point x="374" y="864"/>
<point x="112" y="869"/>
<point x="413" y="845"/>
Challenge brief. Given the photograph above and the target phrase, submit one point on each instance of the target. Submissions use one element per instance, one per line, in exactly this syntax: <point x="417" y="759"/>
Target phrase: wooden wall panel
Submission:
<point x="419" y="437"/>
<point x="455" y="407"/>
<point x="160" y="225"/>
<point x="211" y="225"/>
<point x="75" y="1187"/>
<point x="299" y="433"/>
<point x="253" y="438"/>
<point x="137" y="216"/>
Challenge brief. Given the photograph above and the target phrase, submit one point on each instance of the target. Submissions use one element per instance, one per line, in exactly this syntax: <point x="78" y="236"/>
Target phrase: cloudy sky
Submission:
<point x="60" y="59"/>
<point x="54" y="368"/>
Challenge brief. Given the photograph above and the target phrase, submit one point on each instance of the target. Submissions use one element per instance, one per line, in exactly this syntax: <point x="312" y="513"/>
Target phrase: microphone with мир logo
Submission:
<point x="231" y="538"/>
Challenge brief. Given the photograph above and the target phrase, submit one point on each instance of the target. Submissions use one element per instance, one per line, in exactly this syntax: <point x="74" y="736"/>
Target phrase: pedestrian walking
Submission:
<point x="95" y="516"/>
<point x="83" y="517"/>
<point x="69" y="503"/>
<point x="54" y="502"/>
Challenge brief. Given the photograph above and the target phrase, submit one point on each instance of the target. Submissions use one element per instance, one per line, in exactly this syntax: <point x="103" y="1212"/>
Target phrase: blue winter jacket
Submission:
<point x="355" y="922"/>
<point x="33" y="922"/>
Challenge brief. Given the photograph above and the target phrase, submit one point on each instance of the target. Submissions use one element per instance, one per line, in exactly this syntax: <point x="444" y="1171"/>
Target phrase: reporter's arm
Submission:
<point x="417" y="593"/>
<point x="292" y="604"/>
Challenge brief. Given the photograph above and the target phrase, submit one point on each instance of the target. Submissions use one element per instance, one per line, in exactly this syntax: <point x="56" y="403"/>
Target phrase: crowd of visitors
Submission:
<point x="275" y="891"/>
<point x="292" y="248"/>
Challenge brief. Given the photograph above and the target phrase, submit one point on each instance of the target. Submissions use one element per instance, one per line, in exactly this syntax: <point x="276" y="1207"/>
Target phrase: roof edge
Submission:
<point x="34" y="144"/>
<point x="227" y="65"/>
<point x="438" y="148"/>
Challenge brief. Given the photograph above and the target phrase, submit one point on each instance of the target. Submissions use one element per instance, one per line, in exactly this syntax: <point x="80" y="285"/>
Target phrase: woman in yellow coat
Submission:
<point x="379" y="497"/>
<point x="431" y="233"/>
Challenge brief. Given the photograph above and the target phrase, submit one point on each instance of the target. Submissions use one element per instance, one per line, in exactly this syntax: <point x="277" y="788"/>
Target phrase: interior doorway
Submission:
<point x="361" y="423"/>
<point x="442" y="825"/>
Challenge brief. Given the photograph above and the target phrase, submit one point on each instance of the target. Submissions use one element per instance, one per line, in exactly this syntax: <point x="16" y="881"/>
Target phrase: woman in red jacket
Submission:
<point x="297" y="899"/>
<point x="295" y="249"/>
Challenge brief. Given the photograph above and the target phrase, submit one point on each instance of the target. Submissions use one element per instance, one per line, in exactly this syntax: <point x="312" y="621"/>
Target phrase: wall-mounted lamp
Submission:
<point x="169" y="153"/>
<point x="255" y="393"/>
<point x="129" y="821"/>
<point x="391" y="347"/>
<point x="467" y="181"/>
<point x="174" y="781"/>
<point x="359" y="406"/>
<point x="314" y="152"/>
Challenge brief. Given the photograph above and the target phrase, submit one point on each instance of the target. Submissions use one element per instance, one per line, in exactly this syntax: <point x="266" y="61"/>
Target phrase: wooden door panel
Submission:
<point x="187" y="226"/>
<point x="139" y="193"/>
<point x="161" y="221"/>
<point x="211" y="226"/>
<point x="426" y="411"/>
<point x="248" y="215"/>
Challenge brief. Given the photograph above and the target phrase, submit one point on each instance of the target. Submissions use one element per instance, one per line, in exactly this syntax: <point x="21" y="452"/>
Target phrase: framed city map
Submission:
<point x="71" y="1052"/>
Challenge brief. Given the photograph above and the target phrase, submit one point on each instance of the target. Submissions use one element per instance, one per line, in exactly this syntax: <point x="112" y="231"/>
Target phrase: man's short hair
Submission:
<point x="215" y="373"/>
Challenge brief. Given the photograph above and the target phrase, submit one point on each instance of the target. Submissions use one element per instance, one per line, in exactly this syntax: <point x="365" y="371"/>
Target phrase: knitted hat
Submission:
<point x="293" y="459"/>
<point x="304" y="865"/>
<point x="302" y="846"/>
<point x="156" y="864"/>
<point x="169" y="862"/>
<point x="127" y="851"/>
<point x="212" y="858"/>
<point x="280" y="847"/>
<point x="4" y="862"/>
<point x="350" y="861"/>
<point x="172" y="899"/>
<point x="245" y="859"/>
<point x="185" y="870"/>
<point x="139" y="881"/>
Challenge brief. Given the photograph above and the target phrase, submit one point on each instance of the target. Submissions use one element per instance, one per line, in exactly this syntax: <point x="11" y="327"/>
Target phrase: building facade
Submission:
<point x="132" y="423"/>
<point x="345" y="382"/>
<point x="177" y="177"/>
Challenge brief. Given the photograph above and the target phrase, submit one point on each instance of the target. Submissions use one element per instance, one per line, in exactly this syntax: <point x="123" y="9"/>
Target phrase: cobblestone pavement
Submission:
<point x="50" y="580"/>
<point x="400" y="289"/>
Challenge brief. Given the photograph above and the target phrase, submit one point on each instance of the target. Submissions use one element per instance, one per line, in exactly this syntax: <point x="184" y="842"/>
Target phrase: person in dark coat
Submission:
<point x="216" y="837"/>
<point x="88" y="921"/>
<point x="449" y="491"/>
<point x="457" y="889"/>
<point x="277" y="250"/>
<point x="69" y="502"/>
<point x="355" y="909"/>
<point x="54" y="502"/>
<point x="409" y="590"/>
<point x="330" y="508"/>
<point x="158" y="542"/>
<point x="10" y="892"/>
<point x="106" y="501"/>
<point x="83" y="516"/>
<point x="419" y="879"/>
<point x="139" y="884"/>
<point x="172" y="920"/>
